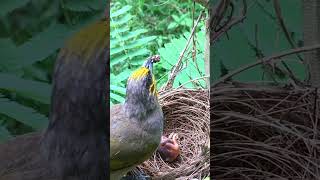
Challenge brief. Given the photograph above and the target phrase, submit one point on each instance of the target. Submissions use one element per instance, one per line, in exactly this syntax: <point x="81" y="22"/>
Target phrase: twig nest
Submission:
<point x="187" y="114"/>
<point x="265" y="132"/>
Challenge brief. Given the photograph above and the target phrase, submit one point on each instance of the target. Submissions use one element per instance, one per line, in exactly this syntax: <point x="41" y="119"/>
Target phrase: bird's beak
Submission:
<point x="155" y="58"/>
<point x="149" y="62"/>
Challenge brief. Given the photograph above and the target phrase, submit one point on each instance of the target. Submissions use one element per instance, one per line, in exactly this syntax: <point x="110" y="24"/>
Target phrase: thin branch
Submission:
<point x="280" y="19"/>
<point x="217" y="13"/>
<point x="277" y="9"/>
<point x="216" y="35"/>
<point x="266" y="60"/>
<point x="315" y="113"/>
<point x="228" y="17"/>
<point x="193" y="80"/>
<point x="177" y="66"/>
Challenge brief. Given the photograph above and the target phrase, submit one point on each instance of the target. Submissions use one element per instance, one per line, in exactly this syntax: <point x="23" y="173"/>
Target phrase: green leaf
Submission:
<point x="4" y="134"/>
<point x="118" y="89"/>
<point x="36" y="73"/>
<point x="9" y="5"/>
<point x="128" y="56"/>
<point x="118" y="31"/>
<point x="133" y="45"/>
<point x="121" y="11"/>
<point x="117" y="97"/>
<point x="36" y="49"/>
<point x="137" y="61"/>
<point x="35" y="90"/>
<point x="127" y="37"/>
<point x="23" y="114"/>
<point x="120" y="21"/>
<point x="122" y="76"/>
<point x="172" y="25"/>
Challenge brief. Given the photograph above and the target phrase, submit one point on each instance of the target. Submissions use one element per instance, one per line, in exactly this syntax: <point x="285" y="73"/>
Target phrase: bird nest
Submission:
<point x="187" y="114"/>
<point x="265" y="132"/>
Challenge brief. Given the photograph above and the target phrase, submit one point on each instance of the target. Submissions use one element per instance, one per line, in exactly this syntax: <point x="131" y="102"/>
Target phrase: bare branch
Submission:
<point x="277" y="9"/>
<point x="219" y="13"/>
<point x="266" y="60"/>
<point x="176" y="68"/>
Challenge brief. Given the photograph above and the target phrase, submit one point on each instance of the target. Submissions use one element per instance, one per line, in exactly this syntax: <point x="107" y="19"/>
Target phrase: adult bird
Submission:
<point x="136" y="126"/>
<point x="74" y="146"/>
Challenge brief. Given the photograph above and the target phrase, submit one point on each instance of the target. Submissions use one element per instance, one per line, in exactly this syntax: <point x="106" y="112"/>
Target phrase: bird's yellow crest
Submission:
<point x="88" y="41"/>
<point x="139" y="73"/>
<point x="142" y="72"/>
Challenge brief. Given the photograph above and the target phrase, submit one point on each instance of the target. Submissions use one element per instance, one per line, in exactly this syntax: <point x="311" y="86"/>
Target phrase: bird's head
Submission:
<point x="141" y="85"/>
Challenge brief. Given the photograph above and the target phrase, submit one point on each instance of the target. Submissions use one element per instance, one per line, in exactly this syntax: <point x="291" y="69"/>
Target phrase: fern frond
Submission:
<point x="29" y="89"/>
<point x="23" y="114"/>
<point x="8" y="6"/>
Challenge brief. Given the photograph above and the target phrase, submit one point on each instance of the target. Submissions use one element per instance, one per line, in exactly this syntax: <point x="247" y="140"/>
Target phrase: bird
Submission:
<point x="169" y="148"/>
<point x="136" y="126"/>
<point x="75" y="143"/>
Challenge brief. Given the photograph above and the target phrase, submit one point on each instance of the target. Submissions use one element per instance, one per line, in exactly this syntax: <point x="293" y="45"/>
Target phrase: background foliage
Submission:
<point x="143" y="28"/>
<point x="33" y="31"/>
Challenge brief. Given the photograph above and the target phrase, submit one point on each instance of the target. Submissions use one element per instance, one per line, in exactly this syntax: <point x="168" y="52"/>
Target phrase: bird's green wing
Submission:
<point x="129" y="144"/>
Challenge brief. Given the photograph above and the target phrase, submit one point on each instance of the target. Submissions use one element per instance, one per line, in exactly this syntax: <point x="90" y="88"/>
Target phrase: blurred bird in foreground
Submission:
<point x="169" y="148"/>
<point x="136" y="126"/>
<point x="74" y="146"/>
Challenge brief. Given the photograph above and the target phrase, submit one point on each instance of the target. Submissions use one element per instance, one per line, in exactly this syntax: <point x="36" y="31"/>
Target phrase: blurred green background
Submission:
<point x="31" y="34"/>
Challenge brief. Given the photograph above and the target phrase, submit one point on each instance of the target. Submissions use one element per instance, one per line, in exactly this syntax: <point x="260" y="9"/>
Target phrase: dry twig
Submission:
<point x="218" y="14"/>
<point x="176" y="68"/>
<point x="264" y="132"/>
<point x="265" y="60"/>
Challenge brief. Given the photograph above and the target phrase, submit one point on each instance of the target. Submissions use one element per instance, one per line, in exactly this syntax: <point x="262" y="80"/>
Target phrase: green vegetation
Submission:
<point x="32" y="32"/>
<point x="142" y="29"/>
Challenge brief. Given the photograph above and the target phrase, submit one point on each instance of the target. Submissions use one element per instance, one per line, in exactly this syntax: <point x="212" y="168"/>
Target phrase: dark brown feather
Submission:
<point x="21" y="159"/>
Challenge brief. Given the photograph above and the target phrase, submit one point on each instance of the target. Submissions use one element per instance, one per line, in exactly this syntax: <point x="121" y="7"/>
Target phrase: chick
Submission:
<point x="169" y="148"/>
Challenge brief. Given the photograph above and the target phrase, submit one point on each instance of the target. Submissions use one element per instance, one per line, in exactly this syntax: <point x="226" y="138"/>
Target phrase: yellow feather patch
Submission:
<point x="88" y="41"/>
<point x="142" y="72"/>
<point x="153" y="87"/>
<point x="139" y="73"/>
